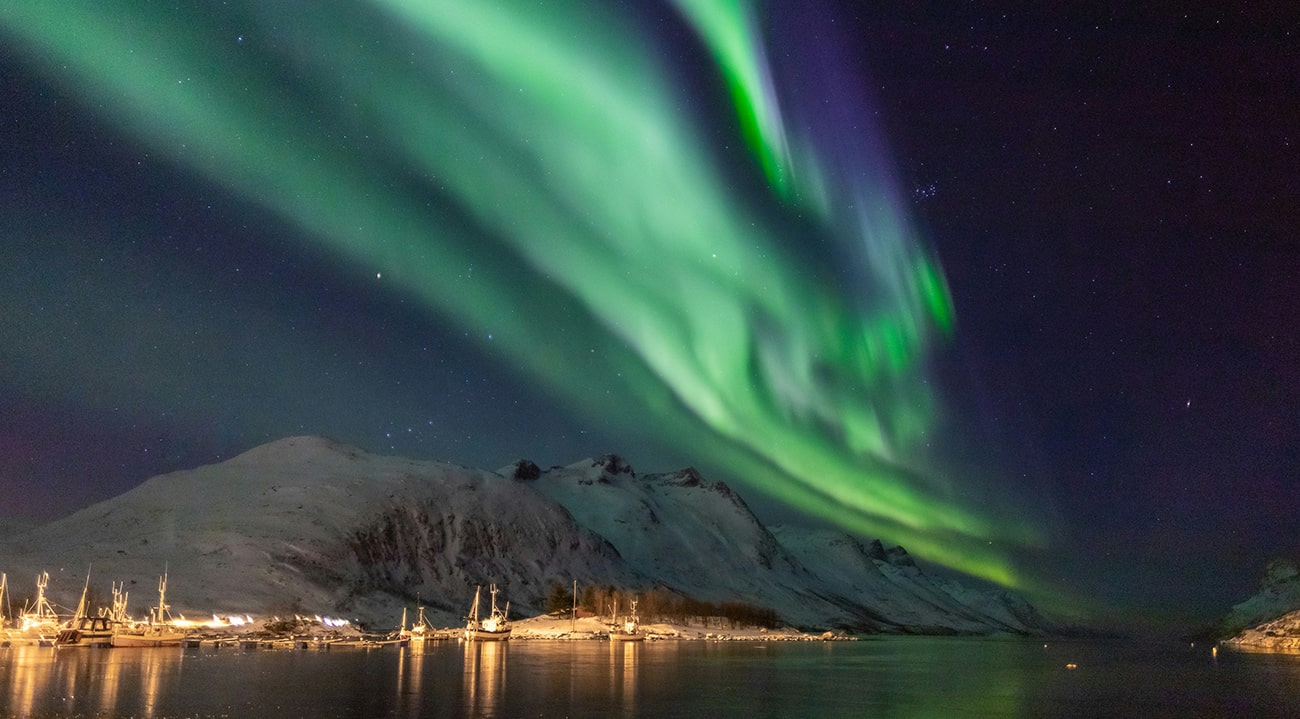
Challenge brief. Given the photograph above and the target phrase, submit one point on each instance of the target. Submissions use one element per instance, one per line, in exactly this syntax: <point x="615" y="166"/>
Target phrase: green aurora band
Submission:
<point x="613" y="247"/>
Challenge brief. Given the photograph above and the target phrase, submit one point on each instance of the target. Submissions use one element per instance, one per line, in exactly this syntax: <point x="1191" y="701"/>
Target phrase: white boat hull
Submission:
<point x="149" y="638"/>
<point x="483" y="635"/>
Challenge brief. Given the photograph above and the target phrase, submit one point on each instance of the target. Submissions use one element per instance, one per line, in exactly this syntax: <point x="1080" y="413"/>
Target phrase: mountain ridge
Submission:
<point x="306" y="523"/>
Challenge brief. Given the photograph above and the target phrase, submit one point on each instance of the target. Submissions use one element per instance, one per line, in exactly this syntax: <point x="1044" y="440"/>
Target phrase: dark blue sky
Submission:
<point x="1115" y="197"/>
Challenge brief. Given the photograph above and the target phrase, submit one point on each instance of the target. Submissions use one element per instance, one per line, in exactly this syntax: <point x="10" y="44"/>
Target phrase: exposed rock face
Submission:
<point x="899" y="557"/>
<point x="308" y="523"/>
<point x="525" y="470"/>
<point x="613" y="465"/>
<point x="689" y="477"/>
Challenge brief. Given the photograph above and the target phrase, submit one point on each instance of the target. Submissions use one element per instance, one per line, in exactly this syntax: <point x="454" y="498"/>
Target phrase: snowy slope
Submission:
<point x="312" y="525"/>
<point x="303" y="523"/>
<point x="1279" y="593"/>
<point x="688" y="533"/>
<point x="887" y="590"/>
<point x="1279" y="634"/>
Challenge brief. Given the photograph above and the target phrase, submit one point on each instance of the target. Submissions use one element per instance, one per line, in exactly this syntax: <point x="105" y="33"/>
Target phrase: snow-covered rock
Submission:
<point x="308" y="525"/>
<point x="1280" y="634"/>
<point x="1278" y="594"/>
<point x="885" y="590"/>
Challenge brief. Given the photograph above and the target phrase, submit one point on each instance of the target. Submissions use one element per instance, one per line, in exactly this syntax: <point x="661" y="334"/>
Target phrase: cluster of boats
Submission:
<point x="38" y="623"/>
<point x="496" y="627"/>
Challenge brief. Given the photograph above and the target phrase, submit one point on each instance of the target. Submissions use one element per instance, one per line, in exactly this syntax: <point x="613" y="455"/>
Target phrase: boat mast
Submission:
<point x="81" y="606"/>
<point x="119" y="602"/>
<point x="161" y="612"/>
<point x="41" y="611"/>
<point x="495" y="613"/>
<point x="43" y="608"/>
<point x="473" y="609"/>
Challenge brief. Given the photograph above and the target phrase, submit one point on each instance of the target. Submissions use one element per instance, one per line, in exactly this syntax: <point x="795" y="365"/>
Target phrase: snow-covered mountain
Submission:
<point x="1278" y="594"/>
<point x="311" y="525"/>
<point x="1279" y="634"/>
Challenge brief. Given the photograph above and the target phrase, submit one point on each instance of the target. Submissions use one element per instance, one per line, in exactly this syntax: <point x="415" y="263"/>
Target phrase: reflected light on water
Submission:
<point x="485" y="675"/>
<point x="27" y="671"/>
<point x="885" y="677"/>
<point x="94" y="680"/>
<point x="156" y="667"/>
<point x="410" y="676"/>
<point x="108" y="684"/>
<point x="623" y="659"/>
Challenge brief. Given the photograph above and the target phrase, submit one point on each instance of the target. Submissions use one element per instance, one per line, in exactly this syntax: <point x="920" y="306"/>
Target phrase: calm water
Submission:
<point x="895" y="677"/>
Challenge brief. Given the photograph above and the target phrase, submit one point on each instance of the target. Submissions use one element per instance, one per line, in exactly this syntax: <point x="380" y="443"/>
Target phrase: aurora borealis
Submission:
<point x="572" y="161"/>
<point x="678" y="226"/>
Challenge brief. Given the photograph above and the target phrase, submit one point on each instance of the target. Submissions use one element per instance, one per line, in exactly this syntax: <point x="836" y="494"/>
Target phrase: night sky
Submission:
<point x="1017" y="290"/>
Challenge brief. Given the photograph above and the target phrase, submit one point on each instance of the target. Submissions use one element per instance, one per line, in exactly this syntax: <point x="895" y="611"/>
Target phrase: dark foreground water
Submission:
<point x="895" y="677"/>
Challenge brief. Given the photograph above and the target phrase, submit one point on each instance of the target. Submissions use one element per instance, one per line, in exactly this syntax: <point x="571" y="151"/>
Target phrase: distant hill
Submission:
<point x="306" y="524"/>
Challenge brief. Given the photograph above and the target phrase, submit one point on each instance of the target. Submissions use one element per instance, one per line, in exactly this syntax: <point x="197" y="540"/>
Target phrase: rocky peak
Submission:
<point x="689" y="477"/>
<point x="876" y="551"/>
<point x="612" y="464"/>
<point x="524" y="470"/>
<point x="899" y="557"/>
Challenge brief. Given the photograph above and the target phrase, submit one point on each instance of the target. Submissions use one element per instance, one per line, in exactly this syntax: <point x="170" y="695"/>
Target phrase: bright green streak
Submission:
<point x="546" y="149"/>
<point x="729" y="28"/>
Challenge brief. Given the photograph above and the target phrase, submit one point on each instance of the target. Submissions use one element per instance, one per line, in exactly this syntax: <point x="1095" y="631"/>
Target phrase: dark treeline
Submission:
<point x="659" y="605"/>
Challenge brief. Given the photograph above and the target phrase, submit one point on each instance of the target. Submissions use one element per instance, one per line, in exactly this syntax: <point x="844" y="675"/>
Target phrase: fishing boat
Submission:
<point x="83" y="630"/>
<point x="158" y="631"/>
<point x="400" y="638"/>
<point x="493" y="629"/>
<point x="420" y="629"/>
<point x="627" y="631"/>
<point x="38" y="622"/>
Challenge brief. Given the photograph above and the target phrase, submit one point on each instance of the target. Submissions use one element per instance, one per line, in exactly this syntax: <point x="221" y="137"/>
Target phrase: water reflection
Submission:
<point x="27" y="673"/>
<point x="108" y="686"/>
<point x="39" y="679"/>
<point x="904" y="677"/>
<point x="485" y="676"/>
<point x="623" y="665"/>
<point x="157" y="667"/>
<point x="410" y="680"/>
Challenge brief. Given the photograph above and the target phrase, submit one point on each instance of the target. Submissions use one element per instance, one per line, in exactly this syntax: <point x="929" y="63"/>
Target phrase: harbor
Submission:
<point x="38" y="623"/>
